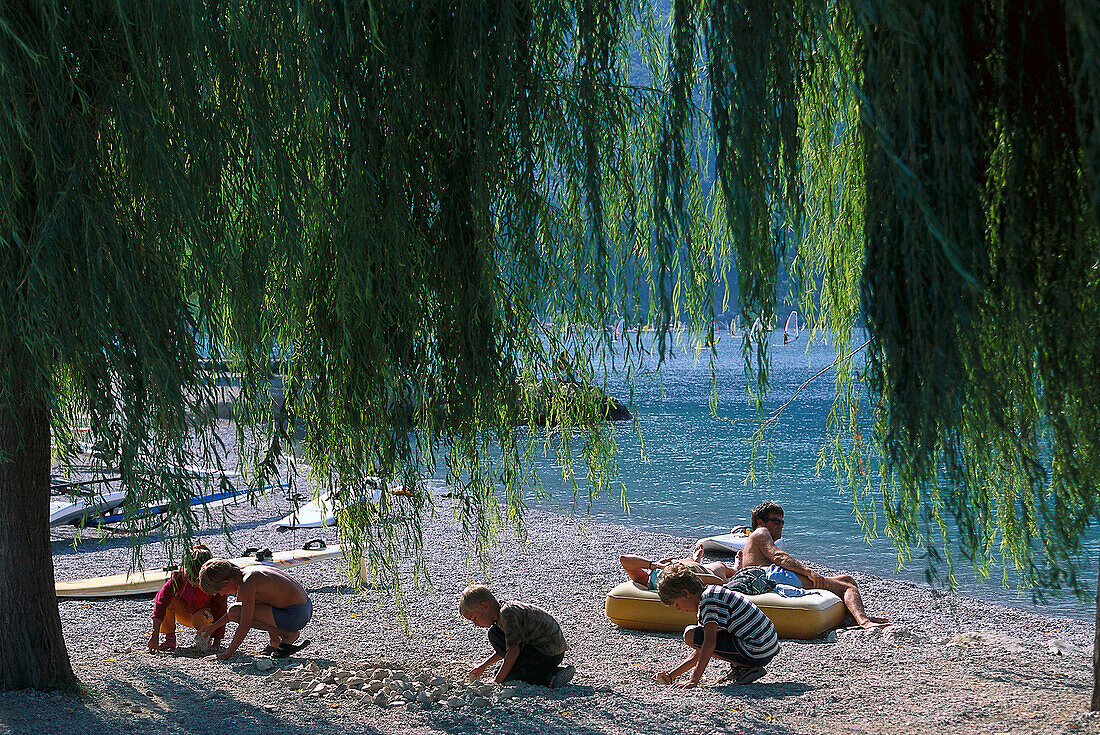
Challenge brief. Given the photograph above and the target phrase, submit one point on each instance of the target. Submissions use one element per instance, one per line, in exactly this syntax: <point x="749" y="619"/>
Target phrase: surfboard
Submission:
<point x="197" y="471"/>
<point x="210" y="500"/>
<point x="151" y="580"/>
<point x="83" y="507"/>
<point x="321" y="512"/>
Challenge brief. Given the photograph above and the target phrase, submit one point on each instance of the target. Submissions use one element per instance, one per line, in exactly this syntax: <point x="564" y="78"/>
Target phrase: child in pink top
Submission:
<point x="181" y="601"/>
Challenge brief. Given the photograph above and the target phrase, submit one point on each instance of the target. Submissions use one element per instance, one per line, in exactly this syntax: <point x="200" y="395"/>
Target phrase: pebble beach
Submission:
<point x="949" y="664"/>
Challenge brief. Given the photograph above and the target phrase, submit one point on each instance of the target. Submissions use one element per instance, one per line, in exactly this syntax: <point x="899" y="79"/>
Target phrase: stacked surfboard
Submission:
<point x="95" y="509"/>
<point x="151" y="580"/>
<point x="80" y="508"/>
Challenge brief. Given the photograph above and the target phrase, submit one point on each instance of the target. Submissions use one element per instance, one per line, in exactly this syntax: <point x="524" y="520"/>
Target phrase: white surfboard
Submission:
<point x="321" y="512"/>
<point x="83" y="507"/>
<point x="197" y="471"/>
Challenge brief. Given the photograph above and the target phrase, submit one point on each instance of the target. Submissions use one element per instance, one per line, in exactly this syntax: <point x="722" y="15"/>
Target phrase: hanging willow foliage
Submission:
<point x="419" y="208"/>
<point x="412" y="211"/>
<point x="937" y="163"/>
<point x="980" y="280"/>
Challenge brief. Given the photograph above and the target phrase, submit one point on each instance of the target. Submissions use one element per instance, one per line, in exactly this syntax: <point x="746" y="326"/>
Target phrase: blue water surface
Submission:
<point x="694" y="482"/>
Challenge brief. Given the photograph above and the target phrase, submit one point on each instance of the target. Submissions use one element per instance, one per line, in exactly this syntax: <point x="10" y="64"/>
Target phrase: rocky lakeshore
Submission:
<point x="951" y="664"/>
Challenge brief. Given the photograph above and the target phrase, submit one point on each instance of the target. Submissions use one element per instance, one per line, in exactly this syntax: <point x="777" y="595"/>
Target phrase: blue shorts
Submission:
<point x="294" y="617"/>
<point x="779" y="575"/>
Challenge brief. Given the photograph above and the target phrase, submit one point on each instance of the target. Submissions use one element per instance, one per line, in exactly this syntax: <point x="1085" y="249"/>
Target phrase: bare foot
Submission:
<point x="697" y="553"/>
<point x="290" y="637"/>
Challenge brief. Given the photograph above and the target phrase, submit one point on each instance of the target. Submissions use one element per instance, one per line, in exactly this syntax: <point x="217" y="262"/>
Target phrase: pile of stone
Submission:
<point x="392" y="687"/>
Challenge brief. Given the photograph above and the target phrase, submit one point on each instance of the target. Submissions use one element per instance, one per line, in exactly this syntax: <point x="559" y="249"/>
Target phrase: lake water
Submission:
<point x="694" y="482"/>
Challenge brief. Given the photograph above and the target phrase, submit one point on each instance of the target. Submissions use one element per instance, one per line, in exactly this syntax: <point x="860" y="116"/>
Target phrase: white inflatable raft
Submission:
<point x="729" y="543"/>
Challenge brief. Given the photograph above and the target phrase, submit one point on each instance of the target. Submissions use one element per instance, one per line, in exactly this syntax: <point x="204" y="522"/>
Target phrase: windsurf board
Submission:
<point x="210" y="500"/>
<point x="321" y="512"/>
<point x="151" y="580"/>
<point x="83" y="507"/>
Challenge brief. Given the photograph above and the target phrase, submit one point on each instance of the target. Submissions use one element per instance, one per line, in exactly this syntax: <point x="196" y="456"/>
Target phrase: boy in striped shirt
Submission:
<point x="730" y="627"/>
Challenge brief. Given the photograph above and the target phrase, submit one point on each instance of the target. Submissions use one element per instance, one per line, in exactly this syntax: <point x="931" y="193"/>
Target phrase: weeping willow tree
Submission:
<point x="937" y="166"/>
<point x="419" y="208"/>
<point x="979" y="282"/>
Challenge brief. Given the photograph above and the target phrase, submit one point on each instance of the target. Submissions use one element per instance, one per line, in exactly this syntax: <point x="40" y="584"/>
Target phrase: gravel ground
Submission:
<point x="950" y="664"/>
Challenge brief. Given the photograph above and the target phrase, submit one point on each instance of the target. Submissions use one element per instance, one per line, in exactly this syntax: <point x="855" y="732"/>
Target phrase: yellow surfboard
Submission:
<point x="151" y="580"/>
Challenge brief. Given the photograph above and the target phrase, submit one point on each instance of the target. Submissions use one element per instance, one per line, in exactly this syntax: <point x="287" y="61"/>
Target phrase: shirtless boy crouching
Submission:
<point x="267" y="598"/>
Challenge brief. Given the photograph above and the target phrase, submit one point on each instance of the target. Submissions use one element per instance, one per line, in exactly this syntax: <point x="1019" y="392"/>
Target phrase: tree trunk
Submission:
<point x="1095" y="704"/>
<point x="32" y="649"/>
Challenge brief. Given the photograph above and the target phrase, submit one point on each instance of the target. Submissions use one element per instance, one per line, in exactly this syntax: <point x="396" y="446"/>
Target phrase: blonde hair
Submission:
<point x="473" y="596"/>
<point x="677" y="581"/>
<point x="193" y="559"/>
<point x="216" y="573"/>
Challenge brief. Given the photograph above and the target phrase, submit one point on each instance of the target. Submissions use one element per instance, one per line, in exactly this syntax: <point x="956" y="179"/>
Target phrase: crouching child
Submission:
<point x="181" y="601"/>
<point x="267" y="598"/>
<point x="525" y="637"/>
<point x="730" y="627"/>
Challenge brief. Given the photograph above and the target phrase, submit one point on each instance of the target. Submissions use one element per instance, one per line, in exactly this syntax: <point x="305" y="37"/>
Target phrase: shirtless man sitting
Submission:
<point x="760" y="551"/>
<point x="267" y="598"/>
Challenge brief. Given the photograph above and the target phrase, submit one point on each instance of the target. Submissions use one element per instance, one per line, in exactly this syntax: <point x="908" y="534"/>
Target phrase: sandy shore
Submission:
<point x="952" y="664"/>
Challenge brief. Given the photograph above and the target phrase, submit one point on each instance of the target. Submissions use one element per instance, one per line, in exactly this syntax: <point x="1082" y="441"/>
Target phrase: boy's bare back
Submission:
<point x="271" y="586"/>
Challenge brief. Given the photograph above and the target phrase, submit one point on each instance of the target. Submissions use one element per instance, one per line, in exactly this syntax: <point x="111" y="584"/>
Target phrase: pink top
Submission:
<point x="191" y="598"/>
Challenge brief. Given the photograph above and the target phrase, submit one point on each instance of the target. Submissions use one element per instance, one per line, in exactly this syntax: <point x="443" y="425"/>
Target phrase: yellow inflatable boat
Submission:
<point x="803" y="618"/>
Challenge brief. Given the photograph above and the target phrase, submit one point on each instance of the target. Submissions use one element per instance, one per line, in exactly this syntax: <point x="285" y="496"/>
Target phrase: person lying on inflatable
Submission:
<point x="647" y="574"/>
<point x="760" y="551"/>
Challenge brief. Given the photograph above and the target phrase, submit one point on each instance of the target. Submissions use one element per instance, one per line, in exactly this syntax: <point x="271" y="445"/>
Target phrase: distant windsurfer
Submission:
<point x="790" y="326"/>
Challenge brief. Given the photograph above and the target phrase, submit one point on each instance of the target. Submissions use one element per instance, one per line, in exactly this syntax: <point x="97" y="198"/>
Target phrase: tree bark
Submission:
<point x="1095" y="704"/>
<point x="32" y="649"/>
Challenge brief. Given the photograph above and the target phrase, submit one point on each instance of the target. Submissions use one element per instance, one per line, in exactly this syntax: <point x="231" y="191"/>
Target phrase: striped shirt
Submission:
<point x="732" y="611"/>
